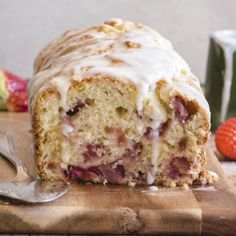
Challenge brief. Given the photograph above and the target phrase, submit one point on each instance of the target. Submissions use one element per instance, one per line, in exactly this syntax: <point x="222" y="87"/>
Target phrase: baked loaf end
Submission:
<point x="115" y="103"/>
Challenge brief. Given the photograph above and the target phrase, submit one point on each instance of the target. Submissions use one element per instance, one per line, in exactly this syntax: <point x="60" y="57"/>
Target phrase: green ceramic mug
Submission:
<point x="221" y="76"/>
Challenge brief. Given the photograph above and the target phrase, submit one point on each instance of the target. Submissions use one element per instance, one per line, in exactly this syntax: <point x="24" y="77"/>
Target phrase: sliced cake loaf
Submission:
<point x="115" y="103"/>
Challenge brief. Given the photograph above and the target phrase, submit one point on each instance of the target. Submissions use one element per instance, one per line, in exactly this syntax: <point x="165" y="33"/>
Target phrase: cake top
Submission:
<point x="125" y="50"/>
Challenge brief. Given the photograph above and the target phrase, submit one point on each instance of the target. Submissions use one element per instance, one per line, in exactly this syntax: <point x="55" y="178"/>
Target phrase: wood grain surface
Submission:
<point x="116" y="209"/>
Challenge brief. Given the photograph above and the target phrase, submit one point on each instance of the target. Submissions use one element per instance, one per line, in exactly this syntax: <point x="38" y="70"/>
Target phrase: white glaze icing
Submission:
<point x="151" y="175"/>
<point x="226" y="39"/>
<point x="150" y="178"/>
<point x="125" y="51"/>
<point x="62" y="85"/>
<point x="66" y="128"/>
<point x="159" y="114"/>
<point x="153" y="188"/>
<point x="144" y="66"/>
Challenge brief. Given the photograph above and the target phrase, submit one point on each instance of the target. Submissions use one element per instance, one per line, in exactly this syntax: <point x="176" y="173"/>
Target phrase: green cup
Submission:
<point x="220" y="88"/>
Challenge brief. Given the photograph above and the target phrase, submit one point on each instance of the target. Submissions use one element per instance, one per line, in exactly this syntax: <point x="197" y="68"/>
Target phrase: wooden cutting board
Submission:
<point x="116" y="209"/>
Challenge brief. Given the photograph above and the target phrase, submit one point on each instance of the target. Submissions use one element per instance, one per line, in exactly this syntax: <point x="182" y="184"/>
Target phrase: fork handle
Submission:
<point x="21" y="172"/>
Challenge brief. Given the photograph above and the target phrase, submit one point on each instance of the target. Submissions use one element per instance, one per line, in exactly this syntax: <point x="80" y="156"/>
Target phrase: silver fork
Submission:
<point x="24" y="187"/>
<point x="8" y="152"/>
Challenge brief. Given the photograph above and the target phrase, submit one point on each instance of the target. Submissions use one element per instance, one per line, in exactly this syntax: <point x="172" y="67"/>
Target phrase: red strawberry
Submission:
<point x="18" y="101"/>
<point x="13" y="91"/>
<point x="15" y="83"/>
<point x="225" y="138"/>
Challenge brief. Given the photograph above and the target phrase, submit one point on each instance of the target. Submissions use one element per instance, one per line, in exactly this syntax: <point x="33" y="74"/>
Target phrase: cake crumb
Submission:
<point x="132" y="184"/>
<point x="185" y="187"/>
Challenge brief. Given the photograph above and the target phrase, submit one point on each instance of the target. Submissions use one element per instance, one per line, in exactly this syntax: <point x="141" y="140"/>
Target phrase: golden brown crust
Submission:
<point x="37" y="127"/>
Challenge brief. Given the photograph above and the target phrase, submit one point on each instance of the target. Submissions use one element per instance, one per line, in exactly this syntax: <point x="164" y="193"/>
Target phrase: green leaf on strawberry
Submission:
<point x="4" y="94"/>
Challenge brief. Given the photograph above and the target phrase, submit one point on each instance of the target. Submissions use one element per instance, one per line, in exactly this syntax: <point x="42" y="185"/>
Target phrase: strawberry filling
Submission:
<point x="94" y="150"/>
<point x="111" y="174"/>
<point x="184" y="109"/>
<point x="136" y="150"/>
<point x="79" y="105"/>
<point x="177" y="167"/>
<point x="151" y="133"/>
<point x="77" y="173"/>
<point x="180" y="110"/>
<point x="183" y="143"/>
<point x="163" y="128"/>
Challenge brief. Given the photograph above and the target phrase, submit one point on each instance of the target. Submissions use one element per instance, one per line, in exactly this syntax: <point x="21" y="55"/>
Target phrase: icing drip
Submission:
<point x="227" y="41"/>
<point x="124" y="50"/>
<point x="159" y="116"/>
<point x="66" y="128"/>
<point x="62" y="85"/>
<point x="151" y="175"/>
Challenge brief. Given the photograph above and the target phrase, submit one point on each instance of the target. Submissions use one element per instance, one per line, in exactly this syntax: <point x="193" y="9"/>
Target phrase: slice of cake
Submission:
<point x="115" y="103"/>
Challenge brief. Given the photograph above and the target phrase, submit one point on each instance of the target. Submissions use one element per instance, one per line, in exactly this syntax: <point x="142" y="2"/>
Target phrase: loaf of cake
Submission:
<point x="116" y="104"/>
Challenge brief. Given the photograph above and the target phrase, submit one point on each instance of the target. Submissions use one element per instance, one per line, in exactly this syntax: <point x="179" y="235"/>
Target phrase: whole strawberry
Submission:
<point x="225" y="138"/>
<point x="13" y="92"/>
